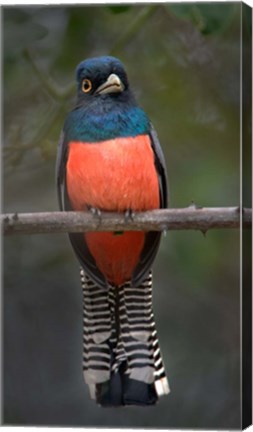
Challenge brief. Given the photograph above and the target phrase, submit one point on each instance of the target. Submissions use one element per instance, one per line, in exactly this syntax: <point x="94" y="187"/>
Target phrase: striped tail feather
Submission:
<point x="122" y="362"/>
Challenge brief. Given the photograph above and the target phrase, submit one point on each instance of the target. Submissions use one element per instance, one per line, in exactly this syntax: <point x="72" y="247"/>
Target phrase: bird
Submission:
<point x="109" y="159"/>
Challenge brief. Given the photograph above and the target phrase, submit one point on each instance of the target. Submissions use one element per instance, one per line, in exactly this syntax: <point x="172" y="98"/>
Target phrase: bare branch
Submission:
<point x="191" y="217"/>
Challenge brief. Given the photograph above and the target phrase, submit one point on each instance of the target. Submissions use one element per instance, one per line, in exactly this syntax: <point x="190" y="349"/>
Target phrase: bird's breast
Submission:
<point x="113" y="175"/>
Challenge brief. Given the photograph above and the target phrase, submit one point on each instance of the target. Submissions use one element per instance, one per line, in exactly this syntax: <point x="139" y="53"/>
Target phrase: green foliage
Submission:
<point x="119" y="9"/>
<point x="208" y="18"/>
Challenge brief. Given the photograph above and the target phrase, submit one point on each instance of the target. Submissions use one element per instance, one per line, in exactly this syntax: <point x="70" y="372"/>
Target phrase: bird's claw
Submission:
<point x="96" y="212"/>
<point x="129" y="215"/>
<point x="194" y="206"/>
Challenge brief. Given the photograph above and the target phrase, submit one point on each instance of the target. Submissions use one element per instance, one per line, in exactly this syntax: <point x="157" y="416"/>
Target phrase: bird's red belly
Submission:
<point x="113" y="175"/>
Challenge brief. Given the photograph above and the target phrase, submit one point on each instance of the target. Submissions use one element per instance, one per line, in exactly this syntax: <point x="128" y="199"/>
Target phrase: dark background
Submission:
<point x="183" y="61"/>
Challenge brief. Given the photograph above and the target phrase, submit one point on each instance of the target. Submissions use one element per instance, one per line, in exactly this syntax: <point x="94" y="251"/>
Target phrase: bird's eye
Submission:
<point x="86" y="85"/>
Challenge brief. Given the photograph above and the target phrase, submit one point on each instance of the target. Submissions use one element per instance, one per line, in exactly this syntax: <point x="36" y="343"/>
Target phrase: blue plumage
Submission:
<point x="93" y="125"/>
<point x="102" y="117"/>
<point x="98" y="66"/>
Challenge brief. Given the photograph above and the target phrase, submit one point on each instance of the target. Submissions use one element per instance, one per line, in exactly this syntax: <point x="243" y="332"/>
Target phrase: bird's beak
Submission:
<point x="113" y="84"/>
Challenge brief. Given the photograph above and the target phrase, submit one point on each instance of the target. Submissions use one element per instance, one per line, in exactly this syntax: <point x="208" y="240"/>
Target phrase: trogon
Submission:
<point x="110" y="160"/>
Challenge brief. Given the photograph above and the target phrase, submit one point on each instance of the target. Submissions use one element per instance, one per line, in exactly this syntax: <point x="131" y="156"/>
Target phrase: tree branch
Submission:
<point x="191" y="217"/>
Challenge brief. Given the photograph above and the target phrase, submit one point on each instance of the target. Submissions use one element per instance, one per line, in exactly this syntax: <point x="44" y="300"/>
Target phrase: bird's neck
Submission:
<point x="104" y="120"/>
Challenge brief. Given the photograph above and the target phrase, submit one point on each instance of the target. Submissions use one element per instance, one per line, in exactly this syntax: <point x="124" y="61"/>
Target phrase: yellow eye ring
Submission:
<point x="86" y="85"/>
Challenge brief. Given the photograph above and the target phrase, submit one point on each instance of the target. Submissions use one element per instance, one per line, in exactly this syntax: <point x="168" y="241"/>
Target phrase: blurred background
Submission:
<point x="183" y="64"/>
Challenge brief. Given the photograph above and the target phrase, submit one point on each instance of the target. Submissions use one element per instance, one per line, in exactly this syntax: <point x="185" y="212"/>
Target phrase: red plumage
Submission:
<point x="113" y="175"/>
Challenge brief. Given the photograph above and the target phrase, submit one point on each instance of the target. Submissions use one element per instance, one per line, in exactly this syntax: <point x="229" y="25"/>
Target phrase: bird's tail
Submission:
<point x="122" y="362"/>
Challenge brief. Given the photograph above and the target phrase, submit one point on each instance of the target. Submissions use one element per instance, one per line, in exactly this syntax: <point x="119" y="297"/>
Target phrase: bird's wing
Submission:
<point x="152" y="238"/>
<point x="60" y="169"/>
<point x="160" y="168"/>
<point x="77" y="240"/>
<point x="86" y="260"/>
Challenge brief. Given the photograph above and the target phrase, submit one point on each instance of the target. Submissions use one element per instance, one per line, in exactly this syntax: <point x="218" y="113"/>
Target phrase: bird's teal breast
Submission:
<point x="88" y="126"/>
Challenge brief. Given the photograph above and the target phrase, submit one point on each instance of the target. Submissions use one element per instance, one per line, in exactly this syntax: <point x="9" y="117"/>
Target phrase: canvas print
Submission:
<point x="127" y="215"/>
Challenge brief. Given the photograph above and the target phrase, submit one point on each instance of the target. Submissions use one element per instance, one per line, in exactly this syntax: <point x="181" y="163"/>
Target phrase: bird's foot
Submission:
<point x="129" y="215"/>
<point x="96" y="212"/>
<point x="194" y="206"/>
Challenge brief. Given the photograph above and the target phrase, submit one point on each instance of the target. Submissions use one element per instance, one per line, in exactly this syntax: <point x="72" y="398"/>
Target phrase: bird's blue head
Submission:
<point x="106" y="107"/>
<point x="101" y="76"/>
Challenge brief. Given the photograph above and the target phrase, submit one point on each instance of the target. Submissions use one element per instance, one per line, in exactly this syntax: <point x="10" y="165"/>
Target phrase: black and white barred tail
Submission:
<point x="122" y="362"/>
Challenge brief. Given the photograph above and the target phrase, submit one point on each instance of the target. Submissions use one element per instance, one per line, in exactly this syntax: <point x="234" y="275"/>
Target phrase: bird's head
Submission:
<point x="105" y="107"/>
<point x="100" y="77"/>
